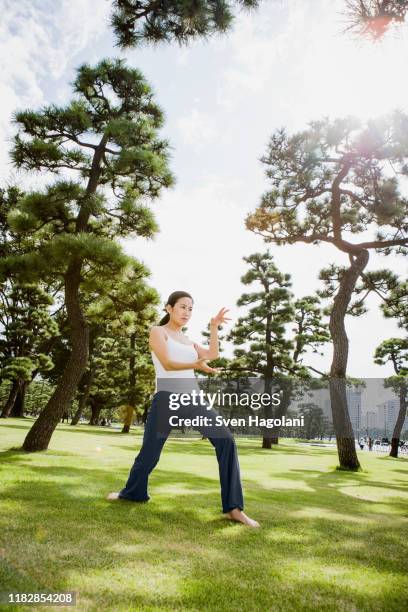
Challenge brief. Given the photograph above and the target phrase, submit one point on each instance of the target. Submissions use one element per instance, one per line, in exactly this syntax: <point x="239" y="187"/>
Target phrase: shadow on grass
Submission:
<point x="15" y="453"/>
<point x="361" y="477"/>
<point x="201" y="447"/>
<point x="388" y="458"/>
<point x="187" y="444"/>
<point x="59" y="513"/>
<point x="73" y="530"/>
<point x="88" y="429"/>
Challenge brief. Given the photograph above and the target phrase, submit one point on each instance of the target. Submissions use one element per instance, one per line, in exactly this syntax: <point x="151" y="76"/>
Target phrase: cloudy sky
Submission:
<point x="284" y="65"/>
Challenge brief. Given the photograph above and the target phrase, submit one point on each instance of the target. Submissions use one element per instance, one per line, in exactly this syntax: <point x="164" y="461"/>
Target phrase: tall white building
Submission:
<point x="387" y="414"/>
<point x="370" y="419"/>
<point x="354" y="407"/>
<point x="327" y="411"/>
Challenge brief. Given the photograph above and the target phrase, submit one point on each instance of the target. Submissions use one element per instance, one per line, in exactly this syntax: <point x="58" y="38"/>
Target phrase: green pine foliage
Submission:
<point x="277" y="329"/>
<point x="26" y="323"/>
<point x="136" y="22"/>
<point x="107" y="136"/>
<point x="330" y="183"/>
<point x="124" y="308"/>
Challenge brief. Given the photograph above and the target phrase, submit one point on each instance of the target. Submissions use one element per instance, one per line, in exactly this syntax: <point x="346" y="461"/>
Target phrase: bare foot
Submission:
<point x="112" y="496"/>
<point x="237" y="515"/>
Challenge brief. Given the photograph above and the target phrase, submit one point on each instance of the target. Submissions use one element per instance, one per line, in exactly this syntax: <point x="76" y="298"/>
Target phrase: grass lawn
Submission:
<point x="330" y="540"/>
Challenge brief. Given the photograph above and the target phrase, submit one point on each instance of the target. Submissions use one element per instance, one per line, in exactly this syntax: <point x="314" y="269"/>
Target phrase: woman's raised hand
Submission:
<point x="220" y="317"/>
<point x="201" y="364"/>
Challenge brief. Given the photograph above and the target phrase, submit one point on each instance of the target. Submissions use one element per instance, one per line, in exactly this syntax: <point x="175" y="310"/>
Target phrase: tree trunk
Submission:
<point x="267" y="435"/>
<point x="281" y="410"/>
<point x="8" y="406"/>
<point x="337" y="384"/>
<point x="132" y="386"/>
<point x="128" y="419"/>
<point x="400" y="421"/>
<point x="40" y="434"/>
<point x="95" y="412"/>
<point x="79" y="410"/>
<point x="18" y="408"/>
<point x="84" y="396"/>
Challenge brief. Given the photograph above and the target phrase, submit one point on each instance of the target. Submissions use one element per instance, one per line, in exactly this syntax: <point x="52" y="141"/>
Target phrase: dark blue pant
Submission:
<point x="156" y="434"/>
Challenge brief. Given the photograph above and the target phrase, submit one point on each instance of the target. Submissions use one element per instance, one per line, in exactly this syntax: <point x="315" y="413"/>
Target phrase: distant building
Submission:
<point x="354" y="407"/>
<point x="371" y="419"/>
<point x="327" y="412"/>
<point x="382" y="417"/>
<point x="353" y="396"/>
<point x="320" y="397"/>
<point x="387" y="416"/>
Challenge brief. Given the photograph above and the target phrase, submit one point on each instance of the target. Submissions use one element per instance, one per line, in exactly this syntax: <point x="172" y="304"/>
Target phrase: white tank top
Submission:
<point x="177" y="351"/>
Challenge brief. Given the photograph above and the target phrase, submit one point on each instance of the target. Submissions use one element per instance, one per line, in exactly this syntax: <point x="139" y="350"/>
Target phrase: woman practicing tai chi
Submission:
<point x="174" y="356"/>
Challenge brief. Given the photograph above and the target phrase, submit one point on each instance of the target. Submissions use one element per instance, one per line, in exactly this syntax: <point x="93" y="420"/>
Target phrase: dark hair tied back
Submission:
<point x="171" y="301"/>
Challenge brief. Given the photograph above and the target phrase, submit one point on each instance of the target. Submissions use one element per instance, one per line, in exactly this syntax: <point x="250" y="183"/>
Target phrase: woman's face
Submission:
<point x="181" y="312"/>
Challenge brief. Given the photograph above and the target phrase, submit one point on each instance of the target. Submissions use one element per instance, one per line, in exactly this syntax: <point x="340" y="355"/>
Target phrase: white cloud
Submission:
<point x="38" y="42"/>
<point x="299" y="60"/>
<point x="197" y="129"/>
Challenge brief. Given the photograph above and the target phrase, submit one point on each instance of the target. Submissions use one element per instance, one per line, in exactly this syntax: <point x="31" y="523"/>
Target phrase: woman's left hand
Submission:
<point x="220" y="318"/>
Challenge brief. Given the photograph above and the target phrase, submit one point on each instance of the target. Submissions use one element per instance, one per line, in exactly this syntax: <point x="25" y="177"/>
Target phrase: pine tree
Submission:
<point x="107" y="137"/>
<point x="395" y="351"/>
<point x="123" y="373"/>
<point x="136" y="22"/>
<point x="329" y="184"/>
<point x="27" y="329"/>
<point x="272" y="353"/>
<point x="137" y="301"/>
<point x="264" y="326"/>
<point x="26" y="325"/>
<point x="309" y="332"/>
<point x="314" y="420"/>
<point x="373" y="18"/>
<point x="122" y="317"/>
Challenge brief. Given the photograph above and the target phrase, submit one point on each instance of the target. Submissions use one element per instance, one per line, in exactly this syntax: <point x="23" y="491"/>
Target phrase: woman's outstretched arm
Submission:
<point x="158" y="344"/>
<point x="212" y="352"/>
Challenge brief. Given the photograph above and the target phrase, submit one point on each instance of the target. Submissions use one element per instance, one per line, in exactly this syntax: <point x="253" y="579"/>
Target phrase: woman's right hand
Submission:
<point x="201" y="364"/>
